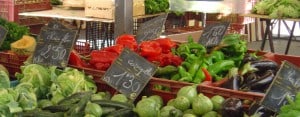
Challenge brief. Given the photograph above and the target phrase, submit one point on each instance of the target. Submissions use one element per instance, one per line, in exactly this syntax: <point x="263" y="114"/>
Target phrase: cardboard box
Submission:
<point x="106" y="8"/>
<point x="74" y="3"/>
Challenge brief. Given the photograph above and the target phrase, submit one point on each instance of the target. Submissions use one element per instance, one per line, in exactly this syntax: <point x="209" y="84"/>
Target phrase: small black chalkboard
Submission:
<point x="213" y="34"/>
<point x="3" y="33"/>
<point x="286" y="82"/>
<point x="129" y="73"/>
<point x="54" y="46"/>
<point x="151" y="29"/>
<point x="54" y="24"/>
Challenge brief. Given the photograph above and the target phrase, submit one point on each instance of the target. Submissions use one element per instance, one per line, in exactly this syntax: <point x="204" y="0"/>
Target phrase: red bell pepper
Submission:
<point x="208" y="77"/>
<point x="165" y="59"/>
<point x="76" y="60"/>
<point x="127" y="41"/>
<point x="101" y="56"/>
<point x="166" y="44"/>
<point x="115" y="48"/>
<point x="150" y="49"/>
<point x="102" y="66"/>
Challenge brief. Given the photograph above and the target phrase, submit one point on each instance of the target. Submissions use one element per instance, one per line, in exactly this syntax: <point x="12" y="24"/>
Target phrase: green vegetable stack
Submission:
<point x="187" y="103"/>
<point x="292" y="109"/>
<point x="15" y="32"/>
<point x="278" y="8"/>
<point x="156" y="6"/>
<point x="200" y="65"/>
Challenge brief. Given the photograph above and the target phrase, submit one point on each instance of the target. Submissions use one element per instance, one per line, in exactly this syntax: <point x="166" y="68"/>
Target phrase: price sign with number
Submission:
<point x="151" y="29"/>
<point x="129" y="73"/>
<point x="54" y="46"/>
<point x="3" y="33"/>
<point x="213" y="34"/>
<point x="286" y="82"/>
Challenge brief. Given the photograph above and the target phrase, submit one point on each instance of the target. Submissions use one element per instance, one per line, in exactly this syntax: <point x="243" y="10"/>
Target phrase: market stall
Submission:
<point x="212" y="73"/>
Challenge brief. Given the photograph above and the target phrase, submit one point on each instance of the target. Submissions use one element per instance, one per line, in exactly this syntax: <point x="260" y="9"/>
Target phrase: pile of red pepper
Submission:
<point x="157" y="51"/>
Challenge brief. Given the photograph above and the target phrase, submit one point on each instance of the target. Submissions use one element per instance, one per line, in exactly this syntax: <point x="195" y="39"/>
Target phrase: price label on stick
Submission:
<point x="3" y="33"/>
<point x="129" y="73"/>
<point x="151" y="29"/>
<point x="54" y="46"/>
<point x="286" y="83"/>
<point x="213" y="34"/>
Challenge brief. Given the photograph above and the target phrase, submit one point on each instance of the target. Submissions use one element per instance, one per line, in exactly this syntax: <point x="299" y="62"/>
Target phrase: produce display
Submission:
<point x="278" y="8"/>
<point x="24" y="46"/>
<point x="15" y="32"/>
<point x="255" y="75"/>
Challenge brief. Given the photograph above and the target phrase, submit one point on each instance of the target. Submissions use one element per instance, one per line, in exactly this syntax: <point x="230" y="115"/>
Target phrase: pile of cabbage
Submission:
<point x="38" y="83"/>
<point x="278" y="8"/>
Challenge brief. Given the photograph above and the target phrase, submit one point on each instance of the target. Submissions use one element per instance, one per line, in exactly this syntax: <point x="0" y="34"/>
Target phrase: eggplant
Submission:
<point x="233" y="83"/>
<point x="263" y="65"/>
<point x="260" y="83"/>
<point x="249" y="57"/>
<point x="232" y="107"/>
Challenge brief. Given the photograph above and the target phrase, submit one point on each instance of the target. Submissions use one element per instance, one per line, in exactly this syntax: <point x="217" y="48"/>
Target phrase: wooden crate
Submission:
<point x="106" y="8"/>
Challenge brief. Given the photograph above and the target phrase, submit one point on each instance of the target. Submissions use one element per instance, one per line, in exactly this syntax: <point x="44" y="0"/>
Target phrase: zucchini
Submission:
<point x="125" y="112"/>
<point x="74" y="98"/>
<point x="115" y="104"/>
<point x="107" y="110"/>
<point x="58" y="108"/>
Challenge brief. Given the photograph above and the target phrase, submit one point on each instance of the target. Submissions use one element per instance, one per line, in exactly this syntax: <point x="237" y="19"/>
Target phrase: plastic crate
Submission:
<point x="9" y="9"/>
<point x="201" y="88"/>
<point x="82" y="48"/>
<point x="12" y="62"/>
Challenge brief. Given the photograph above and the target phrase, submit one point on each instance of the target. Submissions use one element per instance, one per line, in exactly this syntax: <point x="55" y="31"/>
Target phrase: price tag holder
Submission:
<point x="54" y="46"/>
<point x="3" y="33"/>
<point x="151" y="29"/>
<point x="129" y="73"/>
<point x="213" y="34"/>
<point x="286" y="82"/>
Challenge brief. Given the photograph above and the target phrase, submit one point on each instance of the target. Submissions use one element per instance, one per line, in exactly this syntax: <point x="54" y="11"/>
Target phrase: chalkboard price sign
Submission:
<point x="54" y="46"/>
<point x="3" y="33"/>
<point x="54" y="24"/>
<point x="151" y="29"/>
<point x="286" y="82"/>
<point x="213" y="34"/>
<point x="129" y="73"/>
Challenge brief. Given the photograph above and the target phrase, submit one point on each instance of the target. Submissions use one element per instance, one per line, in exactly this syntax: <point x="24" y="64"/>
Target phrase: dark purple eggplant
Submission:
<point x="263" y="65"/>
<point x="232" y="107"/>
<point x="260" y="83"/>
<point x="249" y="57"/>
<point x="233" y="82"/>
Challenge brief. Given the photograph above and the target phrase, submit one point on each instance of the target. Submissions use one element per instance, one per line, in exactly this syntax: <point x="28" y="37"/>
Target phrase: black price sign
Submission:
<point x="56" y="25"/>
<point x="286" y="82"/>
<point x="3" y="33"/>
<point x="54" y="46"/>
<point x="129" y="73"/>
<point x="151" y="29"/>
<point x="213" y="34"/>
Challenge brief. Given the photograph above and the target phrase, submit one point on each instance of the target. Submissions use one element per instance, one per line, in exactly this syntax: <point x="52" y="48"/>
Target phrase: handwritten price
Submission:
<point x="129" y="81"/>
<point x="55" y="52"/>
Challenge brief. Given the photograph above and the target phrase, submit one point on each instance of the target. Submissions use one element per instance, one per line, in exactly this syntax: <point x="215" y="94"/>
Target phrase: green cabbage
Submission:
<point x="38" y="76"/>
<point x="27" y="98"/>
<point x="70" y="81"/>
<point x="4" y="80"/>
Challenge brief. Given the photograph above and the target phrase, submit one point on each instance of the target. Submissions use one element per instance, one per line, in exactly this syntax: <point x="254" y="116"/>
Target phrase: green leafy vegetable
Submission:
<point x="69" y="82"/>
<point x="38" y="76"/>
<point x="4" y="80"/>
